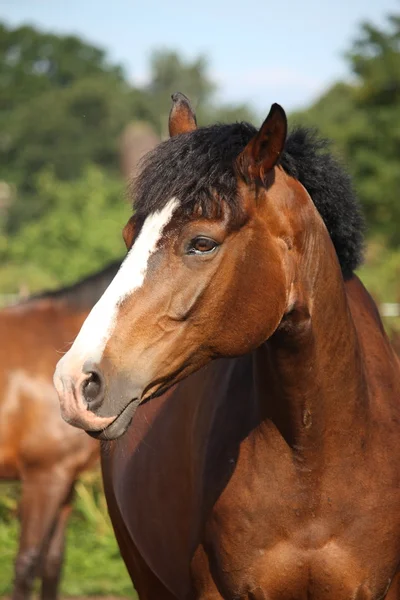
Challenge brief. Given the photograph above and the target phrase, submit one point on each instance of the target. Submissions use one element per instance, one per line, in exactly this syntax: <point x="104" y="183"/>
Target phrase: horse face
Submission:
<point x="191" y="289"/>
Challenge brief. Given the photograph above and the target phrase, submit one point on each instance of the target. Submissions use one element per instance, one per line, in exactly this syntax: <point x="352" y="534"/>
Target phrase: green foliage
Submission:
<point x="381" y="272"/>
<point x="63" y="108"/>
<point x="93" y="563"/>
<point x="66" y="128"/>
<point x="364" y="121"/>
<point x="33" y="63"/>
<point x="63" y="105"/>
<point x="8" y="545"/>
<point x="78" y="233"/>
<point x="375" y="59"/>
<point x="25" y="278"/>
<point x="170" y="73"/>
<point x="60" y="130"/>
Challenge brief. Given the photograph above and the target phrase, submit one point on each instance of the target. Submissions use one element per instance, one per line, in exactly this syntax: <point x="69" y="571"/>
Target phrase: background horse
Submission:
<point x="272" y="472"/>
<point x="36" y="445"/>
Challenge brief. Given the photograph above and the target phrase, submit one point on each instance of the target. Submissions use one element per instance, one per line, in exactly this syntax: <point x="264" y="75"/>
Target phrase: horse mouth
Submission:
<point x="122" y="421"/>
<point x="120" y="424"/>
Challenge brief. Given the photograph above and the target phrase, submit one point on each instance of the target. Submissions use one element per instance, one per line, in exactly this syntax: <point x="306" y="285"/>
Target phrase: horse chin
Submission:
<point x="119" y="426"/>
<point x="121" y="423"/>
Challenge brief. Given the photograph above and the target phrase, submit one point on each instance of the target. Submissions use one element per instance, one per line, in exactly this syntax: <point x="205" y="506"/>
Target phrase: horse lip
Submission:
<point x="120" y="424"/>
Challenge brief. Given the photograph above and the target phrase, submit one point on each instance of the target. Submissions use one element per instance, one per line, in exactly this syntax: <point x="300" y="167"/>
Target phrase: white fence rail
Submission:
<point x="390" y="309"/>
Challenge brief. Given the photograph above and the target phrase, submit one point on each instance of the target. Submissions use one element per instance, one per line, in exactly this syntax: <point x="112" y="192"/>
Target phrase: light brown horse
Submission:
<point x="274" y="471"/>
<point x="36" y="445"/>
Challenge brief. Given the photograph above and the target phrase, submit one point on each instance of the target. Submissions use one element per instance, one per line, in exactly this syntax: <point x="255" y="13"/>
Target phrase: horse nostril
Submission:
<point x="92" y="389"/>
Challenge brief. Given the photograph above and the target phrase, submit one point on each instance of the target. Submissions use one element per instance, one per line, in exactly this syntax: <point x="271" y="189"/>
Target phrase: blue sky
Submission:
<point x="259" y="52"/>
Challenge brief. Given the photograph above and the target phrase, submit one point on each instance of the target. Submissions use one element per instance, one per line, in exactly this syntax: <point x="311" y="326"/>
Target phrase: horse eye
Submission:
<point x="202" y="245"/>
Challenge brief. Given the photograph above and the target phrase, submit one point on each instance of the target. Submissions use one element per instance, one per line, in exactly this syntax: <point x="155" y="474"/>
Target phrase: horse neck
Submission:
<point x="81" y="295"/>
<point x="309" y="374"/>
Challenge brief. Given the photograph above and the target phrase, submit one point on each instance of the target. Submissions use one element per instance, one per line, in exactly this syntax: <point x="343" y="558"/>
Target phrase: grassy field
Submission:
<point x="93" y="565"/>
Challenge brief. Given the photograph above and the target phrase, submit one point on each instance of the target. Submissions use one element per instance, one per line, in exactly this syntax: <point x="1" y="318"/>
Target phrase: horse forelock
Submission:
<point x="199" y="168"/>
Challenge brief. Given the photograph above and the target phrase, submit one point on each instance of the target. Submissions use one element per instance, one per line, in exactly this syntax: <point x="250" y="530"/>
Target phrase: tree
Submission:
<point x="63" y="108"/>
<point x="79" y="232"/>
<point x="33" y="62"/>
<point x="63" y="130"/>
<point x="170" y="73"/>
<point x="375" y="60"/>
<point x="363" y="119"/>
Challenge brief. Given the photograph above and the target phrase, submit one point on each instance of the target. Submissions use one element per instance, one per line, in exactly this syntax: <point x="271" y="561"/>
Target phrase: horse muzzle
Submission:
<point x="90" y="400"/>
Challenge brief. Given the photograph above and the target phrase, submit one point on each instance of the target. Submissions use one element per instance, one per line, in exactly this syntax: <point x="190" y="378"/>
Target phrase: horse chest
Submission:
<point x="249" y="564"/>
<point x="286" y="572"/>
<point x="257" y="548"/>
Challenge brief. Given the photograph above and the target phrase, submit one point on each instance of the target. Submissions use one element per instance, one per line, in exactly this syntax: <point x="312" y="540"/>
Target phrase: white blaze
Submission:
<point x="100" y="323"/>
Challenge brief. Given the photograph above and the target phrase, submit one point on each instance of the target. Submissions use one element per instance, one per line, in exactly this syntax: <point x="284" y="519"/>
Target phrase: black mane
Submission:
<point x="85" y="292"/>
<point x="194" y="166"/>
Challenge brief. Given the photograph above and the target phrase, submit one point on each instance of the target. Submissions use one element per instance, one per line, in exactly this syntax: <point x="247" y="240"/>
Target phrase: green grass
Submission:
<point x="8" y="545"/>
<point x="93" y="563"/>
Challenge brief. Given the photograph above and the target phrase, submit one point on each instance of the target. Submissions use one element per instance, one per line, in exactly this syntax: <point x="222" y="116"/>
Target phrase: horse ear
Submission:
<point x="181" y="117"/>
<point x="263" y="151"/>
<point x="128" y="232"/>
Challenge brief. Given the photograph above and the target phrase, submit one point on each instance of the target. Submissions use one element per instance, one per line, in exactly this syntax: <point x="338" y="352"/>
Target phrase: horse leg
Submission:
<point x="53" y="555"/>
<point x="42" y="496"/>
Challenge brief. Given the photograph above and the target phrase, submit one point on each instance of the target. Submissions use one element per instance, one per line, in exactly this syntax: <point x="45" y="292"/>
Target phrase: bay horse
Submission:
<point x="263" y="459"/>
<point x="36" y="446"/>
